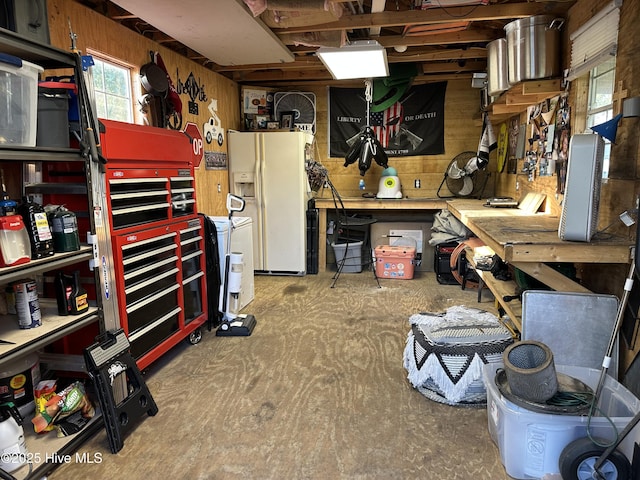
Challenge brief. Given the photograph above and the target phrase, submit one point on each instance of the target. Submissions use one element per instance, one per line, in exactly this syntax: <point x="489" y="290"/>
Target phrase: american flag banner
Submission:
<point x="386" y="124"/>
<point x="414" y="125"/>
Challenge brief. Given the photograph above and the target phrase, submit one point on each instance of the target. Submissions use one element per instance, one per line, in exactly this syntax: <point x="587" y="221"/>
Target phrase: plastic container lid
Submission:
<point x="58" y="86"/>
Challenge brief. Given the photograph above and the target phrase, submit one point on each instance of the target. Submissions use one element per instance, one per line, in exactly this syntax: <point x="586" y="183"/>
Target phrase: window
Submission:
<point x="600" y="104"/>
<point x="112" y="86"/>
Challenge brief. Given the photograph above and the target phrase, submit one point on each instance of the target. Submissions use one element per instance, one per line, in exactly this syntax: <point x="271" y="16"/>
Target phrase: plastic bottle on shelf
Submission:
<point x="63" y="284"/>
<point x="37" y="225"/>
<point x="64" y="226"/>
<point x="78" y="300"/>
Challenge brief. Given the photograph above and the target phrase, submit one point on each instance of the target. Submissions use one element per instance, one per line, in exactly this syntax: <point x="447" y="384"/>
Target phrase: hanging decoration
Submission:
<point x="365" y="146"/>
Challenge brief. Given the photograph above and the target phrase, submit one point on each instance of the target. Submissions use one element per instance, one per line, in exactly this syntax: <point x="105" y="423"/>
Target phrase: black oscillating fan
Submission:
<point x="464" y="177"/>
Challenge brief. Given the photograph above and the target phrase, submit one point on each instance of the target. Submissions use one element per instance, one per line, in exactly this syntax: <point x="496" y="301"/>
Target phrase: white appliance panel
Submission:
<point x="241" y="241"/>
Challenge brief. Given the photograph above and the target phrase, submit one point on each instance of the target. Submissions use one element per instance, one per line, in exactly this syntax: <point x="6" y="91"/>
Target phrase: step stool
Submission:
<point x="106" y="361"/>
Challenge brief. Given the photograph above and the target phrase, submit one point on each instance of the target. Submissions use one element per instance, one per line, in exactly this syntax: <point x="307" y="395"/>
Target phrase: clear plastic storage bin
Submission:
<point x="19" y="103"/>
<point x="530" y="443"/>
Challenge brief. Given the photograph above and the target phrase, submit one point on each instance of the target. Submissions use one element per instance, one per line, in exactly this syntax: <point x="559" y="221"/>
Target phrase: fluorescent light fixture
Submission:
<point x="360" y="59"/>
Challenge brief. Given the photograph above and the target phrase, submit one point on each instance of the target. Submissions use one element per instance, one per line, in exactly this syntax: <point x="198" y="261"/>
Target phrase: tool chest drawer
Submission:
<point x="193" y="258"/>
<point x="143" y="197"/>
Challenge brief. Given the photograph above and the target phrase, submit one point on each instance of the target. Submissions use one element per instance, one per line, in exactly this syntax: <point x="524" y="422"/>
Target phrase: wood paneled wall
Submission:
<point x="96" y="32"/>
<point x="462" y="133"/>
<point x="462" y="124"/>
<point x="620" y="191"/>
<point x="462" y="119"/>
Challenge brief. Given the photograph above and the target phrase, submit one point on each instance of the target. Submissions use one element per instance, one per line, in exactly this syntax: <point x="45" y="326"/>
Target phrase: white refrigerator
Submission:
<point x="267" y="169"/>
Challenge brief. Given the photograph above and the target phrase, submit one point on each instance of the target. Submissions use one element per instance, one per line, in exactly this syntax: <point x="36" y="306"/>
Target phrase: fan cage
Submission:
<point x="303" y="104"/>
<point x="456" y="185"/>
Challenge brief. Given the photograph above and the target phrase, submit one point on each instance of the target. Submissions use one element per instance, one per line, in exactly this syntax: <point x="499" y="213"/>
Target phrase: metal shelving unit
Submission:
<point x="97" y="253"/>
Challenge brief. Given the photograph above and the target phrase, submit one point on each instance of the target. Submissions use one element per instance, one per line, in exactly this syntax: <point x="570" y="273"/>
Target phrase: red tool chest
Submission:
<point x="157" y="237"/>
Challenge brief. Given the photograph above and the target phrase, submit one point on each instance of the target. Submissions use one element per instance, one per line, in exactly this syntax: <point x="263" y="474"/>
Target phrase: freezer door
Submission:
<point x="244" y="180"/>
<point x="283" y="188"/>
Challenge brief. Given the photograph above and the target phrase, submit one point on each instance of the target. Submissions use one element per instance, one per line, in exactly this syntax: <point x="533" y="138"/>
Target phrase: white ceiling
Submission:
<point x="224" y="31"/>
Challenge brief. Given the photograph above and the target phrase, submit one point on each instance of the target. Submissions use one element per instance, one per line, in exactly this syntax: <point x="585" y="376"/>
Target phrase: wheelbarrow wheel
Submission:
<point x="577" y="462"/>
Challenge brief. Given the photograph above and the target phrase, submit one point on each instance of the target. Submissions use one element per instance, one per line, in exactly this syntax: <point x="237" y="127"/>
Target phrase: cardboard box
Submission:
<point x="419" y="231"/>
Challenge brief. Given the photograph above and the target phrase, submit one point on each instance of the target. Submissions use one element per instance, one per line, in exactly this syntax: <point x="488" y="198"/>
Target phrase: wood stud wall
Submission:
<point x="462" y="116"/>
<point x="96" y="32"/>
<point x="462" y="133"/>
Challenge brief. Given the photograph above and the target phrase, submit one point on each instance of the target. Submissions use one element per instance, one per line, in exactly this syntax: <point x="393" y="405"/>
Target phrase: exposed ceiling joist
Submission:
<point x="431" y="16"/>
<point x="188" y="27"/>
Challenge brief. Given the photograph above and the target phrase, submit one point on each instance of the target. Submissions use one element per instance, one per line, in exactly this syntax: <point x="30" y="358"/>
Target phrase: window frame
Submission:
<point x="132" y="81"/>
<point x="593" y="109"/>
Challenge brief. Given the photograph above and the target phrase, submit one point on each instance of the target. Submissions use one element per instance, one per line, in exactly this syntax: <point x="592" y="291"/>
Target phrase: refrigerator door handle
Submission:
<point x="259" y="198"/>
<point x="262" y="226"/>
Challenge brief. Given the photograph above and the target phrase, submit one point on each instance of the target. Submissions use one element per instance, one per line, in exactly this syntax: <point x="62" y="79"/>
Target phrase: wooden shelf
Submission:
<point x="520" y="96"/>
<point x="56" y="261"/>
<point x="502" y="289"/>
<point x="530" y="241"/>
<point x="53" y="327"/>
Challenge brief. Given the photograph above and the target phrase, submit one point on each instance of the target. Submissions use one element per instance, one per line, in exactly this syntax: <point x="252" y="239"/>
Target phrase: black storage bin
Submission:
<point x="214" y="283"/>
<point x="312" y="239"/>
<point x="53" y="118"/>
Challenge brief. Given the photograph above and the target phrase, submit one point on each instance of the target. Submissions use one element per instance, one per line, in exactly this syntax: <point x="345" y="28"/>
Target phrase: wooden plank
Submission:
<point x="550" y="277"/>
<point x="548" y="87"/>
<point x="502" y="289"/>
<point x="567" y="252"/>
<point x="524" y="100"/>
<point x="393" y="18"/>
<point x="503" y="109"/>
<point x="534" y="238"/>
<point x="359" y="203"/>
<point x="505" y="291"/>
<point x="464" y="210"/>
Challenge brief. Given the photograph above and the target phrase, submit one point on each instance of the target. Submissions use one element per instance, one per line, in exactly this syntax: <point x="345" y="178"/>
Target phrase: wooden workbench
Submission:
<point x="356" y="204"/>
<point x="528" y="241"/>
